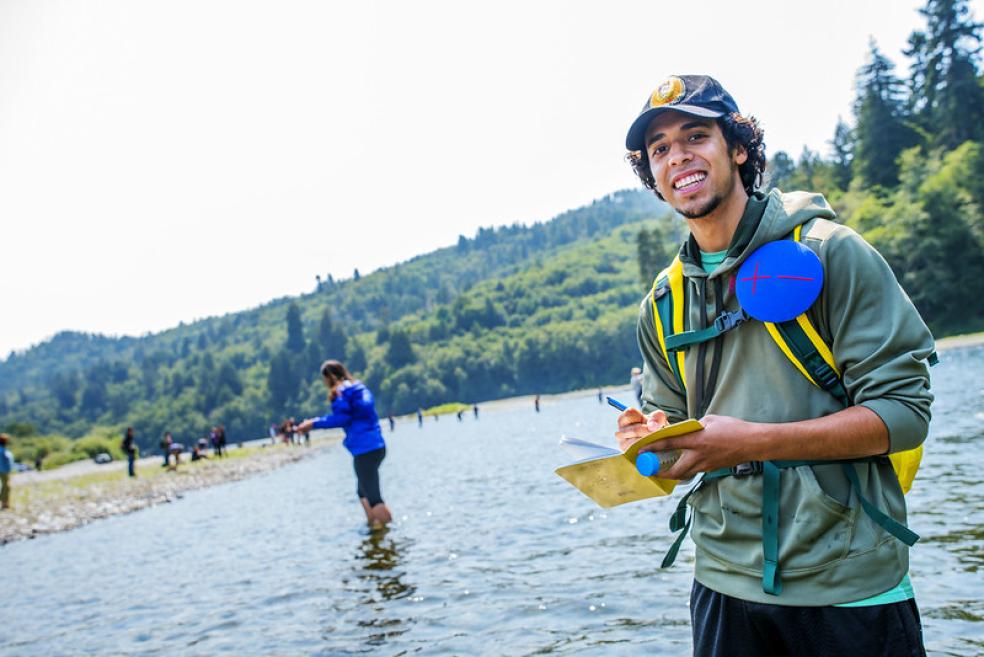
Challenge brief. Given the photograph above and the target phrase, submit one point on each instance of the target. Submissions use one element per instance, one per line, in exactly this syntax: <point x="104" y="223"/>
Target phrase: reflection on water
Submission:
<point x="378" y="563"/>
<point x="377" y="567"/>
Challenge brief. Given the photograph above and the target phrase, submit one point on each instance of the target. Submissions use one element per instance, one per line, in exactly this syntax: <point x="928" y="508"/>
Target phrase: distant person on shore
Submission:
<point x="175" y="449"/>
<point x="166" y="443"/>
<point x="218" y="441"/>
<point x="197" y="453"/>
<point x="635" y="378"/>
<point x="129" y="446"/>
<point x="536" y="403"/>
<point x="601" y="396"/>
<point x="288" y="431"/>
<point x="460" y="412"/>
<point x="353" y="409"/>
<point x="6" y="467"/>
<point x="475" y="410"/>
<point x="420" y="418"/>
<point x="38" y="461"/>
<point x="392" y="422"/>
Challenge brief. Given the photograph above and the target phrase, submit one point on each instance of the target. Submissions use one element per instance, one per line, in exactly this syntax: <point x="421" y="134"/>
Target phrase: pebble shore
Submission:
<point x="66" y="504"/>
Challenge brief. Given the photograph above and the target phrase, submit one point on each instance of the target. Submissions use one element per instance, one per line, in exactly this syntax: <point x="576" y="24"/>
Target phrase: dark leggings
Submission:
<point x="367" y="474"/>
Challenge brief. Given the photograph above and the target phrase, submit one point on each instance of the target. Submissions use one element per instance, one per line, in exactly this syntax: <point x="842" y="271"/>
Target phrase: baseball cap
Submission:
<point x="699" y="95"/>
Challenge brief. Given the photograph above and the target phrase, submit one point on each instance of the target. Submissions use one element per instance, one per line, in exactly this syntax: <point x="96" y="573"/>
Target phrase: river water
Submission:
<point x="491" y="554"/>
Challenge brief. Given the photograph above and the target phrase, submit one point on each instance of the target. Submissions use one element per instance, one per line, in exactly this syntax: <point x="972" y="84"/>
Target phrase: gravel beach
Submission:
<point x="74" y="495"/>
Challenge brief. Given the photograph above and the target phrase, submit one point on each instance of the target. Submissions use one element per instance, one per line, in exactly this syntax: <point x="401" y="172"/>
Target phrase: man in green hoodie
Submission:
<point x="835" y="581"/>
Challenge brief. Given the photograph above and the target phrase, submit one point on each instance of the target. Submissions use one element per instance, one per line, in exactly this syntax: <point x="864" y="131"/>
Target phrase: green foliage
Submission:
<point x="447" y="409"/>
<point x="20" y="429"/>
<point x="882" y="131"/>
<point x="947" y="99"/>
<point x="656" y="246"/>
<point x="532" y="309"/>
<point x="842" y="154"/>
<point x="447" y="325"/>
<point x="56" y="450"/>
<point x="98" y="442"/>
<point x="28" y="448"/>
<point x="929" y="233"/>
<point x="399" y="351"/>
<point x="295" y="329"/>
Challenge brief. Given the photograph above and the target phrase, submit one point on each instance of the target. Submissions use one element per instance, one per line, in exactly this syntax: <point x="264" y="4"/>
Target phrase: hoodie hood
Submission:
<point x="766" y="218"/>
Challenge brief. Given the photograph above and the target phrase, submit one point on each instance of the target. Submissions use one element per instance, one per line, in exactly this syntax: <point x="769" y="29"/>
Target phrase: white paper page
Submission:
<point x="582" y="450"/>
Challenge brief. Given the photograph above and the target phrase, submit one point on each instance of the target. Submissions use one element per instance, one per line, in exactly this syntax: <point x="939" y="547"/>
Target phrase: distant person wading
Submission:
<point x="353" y="409"/>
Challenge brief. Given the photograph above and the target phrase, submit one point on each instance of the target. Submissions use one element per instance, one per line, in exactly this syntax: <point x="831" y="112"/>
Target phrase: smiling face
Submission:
<point x="692" y="167"/>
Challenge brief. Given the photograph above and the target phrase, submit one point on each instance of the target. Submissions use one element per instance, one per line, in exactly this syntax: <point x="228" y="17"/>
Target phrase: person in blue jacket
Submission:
<point x="353" y="409"/>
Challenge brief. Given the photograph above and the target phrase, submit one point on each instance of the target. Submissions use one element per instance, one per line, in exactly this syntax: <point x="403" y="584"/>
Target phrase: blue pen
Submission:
<point x="617" y="404"/>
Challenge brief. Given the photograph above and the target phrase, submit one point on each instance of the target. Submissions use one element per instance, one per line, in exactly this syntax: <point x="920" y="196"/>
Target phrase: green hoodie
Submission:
<point x="829" y="550"/>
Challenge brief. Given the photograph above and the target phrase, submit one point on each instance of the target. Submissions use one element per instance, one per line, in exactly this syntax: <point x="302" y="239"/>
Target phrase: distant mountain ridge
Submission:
<point x="222" y="368"/>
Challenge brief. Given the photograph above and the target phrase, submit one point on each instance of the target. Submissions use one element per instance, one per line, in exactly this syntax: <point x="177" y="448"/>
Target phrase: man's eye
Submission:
<point x="697" y="136"/>
<point x="658" y="150"/>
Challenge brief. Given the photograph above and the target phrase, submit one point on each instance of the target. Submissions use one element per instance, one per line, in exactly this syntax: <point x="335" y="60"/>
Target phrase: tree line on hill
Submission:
<point x="459" y="323"/>
<point x="542" y="308"/>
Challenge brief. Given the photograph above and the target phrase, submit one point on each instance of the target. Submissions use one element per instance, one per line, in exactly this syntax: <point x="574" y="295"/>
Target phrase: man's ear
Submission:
<point x="740" y="155"/>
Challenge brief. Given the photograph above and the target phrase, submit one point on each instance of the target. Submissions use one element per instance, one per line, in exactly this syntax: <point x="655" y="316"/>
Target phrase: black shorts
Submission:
<point x="367" y="475"/>
<point x="726" y="626"/>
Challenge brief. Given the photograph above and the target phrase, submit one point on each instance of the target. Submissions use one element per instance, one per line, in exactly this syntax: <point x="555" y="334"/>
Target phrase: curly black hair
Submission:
<point x="738" y="130"/>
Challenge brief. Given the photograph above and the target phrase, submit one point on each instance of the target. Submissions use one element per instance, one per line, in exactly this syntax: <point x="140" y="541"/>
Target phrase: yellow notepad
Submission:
<point x="612" y="479"/>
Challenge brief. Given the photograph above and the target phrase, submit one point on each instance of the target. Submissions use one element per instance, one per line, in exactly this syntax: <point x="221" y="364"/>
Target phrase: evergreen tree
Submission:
<point x="64" y="387"/>
<point x="295" y="329"/>
<point x="950" y="99"/>
<point x="882" y="132"/>
<point x="399" y="352"/>
<point x="780" y="169"/>
<point x="356" y="358"/>
<point x="280" y="381"/>
<point x="842" y="152"/>
<point x="649" y="255"/>
<point x="331" y="337"/>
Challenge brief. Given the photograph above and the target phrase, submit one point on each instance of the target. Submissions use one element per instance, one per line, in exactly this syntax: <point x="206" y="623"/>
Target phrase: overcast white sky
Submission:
<point x="170" y="160"/>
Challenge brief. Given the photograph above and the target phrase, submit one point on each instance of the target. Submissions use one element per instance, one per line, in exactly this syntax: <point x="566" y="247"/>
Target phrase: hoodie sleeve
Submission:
<point x="659" y="387"/>
<point x="341" y="414"/>
<point x="880" y="343"/>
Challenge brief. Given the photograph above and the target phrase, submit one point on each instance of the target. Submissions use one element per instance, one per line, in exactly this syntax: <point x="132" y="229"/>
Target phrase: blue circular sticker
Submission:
<point x="779" y="281"/>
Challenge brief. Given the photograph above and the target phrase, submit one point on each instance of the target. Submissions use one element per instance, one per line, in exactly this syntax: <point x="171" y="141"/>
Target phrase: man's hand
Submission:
<point x="633" y="425"/>
<point x="724" y="443"/>
<point x="305" y="426"/>
<point x="854" y="432"/>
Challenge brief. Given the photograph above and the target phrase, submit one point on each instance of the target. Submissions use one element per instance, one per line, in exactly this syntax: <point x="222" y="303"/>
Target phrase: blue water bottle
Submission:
<point x="648" y="464"/>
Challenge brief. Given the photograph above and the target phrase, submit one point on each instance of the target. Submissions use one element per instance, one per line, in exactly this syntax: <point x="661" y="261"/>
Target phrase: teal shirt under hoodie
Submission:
<point x="829" y="550"/>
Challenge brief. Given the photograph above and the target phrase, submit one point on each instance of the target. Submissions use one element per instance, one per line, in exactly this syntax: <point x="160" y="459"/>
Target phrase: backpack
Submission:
<point x="805" y="349"/>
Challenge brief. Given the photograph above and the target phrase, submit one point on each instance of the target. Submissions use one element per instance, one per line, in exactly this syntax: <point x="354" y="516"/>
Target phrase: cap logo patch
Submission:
<point x="669" y="92"/>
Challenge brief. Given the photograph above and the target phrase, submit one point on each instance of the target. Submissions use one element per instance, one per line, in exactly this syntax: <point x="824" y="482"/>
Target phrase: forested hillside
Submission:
<point x="547" y="307"/>
<point x="474" y="321"/>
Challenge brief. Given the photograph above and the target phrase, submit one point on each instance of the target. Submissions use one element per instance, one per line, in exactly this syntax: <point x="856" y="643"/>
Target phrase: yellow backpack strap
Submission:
<point x="668" y="314"/>
<point x="800" y="342"/>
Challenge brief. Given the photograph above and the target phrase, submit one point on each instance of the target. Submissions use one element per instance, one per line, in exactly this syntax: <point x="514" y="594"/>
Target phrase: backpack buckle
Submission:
<point x="727" y="321"/>
<point x="746" y="469"/>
